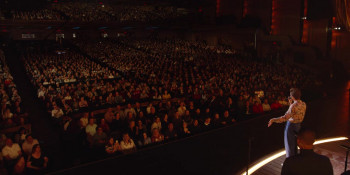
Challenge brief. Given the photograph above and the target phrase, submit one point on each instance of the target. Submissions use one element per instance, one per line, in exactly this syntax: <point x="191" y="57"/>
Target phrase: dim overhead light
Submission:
<point x="304" y="18"/>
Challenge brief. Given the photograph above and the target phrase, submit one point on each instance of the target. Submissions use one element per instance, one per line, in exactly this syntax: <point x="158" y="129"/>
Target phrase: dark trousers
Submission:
<point x="290" y="139"/>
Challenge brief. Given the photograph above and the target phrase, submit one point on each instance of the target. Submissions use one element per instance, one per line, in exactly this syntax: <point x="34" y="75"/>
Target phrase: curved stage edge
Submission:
<point x="330" y="147"/>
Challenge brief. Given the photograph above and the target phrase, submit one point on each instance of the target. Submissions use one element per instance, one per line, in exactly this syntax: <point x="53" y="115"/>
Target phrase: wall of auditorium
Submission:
<point x="235" y="37"/>
<point x="230" y="7"/>
<point x="287" y="18"/>
<point x="340" y="48"/>
<point x="317" y="35"/>
<point x="261" y="9"/>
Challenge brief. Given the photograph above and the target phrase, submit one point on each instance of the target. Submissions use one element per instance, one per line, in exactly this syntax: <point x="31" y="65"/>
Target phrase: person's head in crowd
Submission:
<point x="126" y="137"/>
<point x="195" y="122"/>
<point x="207" y="120"/>
<point x="110" y="141"/>
<point x="137" y="105"/>
<point x="266" y="101"/>
<point x="99" y="130"/>
<point x="170" y="127"/>
<point x="226" y="113"/>
<point x="29" y="139"/>
<point x="306" y="138"/>
<point x="132" y="124"/>
<point x="36" y="149"/>
<point x="216" y="116"/>
<point x="117" y="116"/>
<point x="9" y="142"/>
<point x="153" y="110"/>
<point x="198" y="111"/>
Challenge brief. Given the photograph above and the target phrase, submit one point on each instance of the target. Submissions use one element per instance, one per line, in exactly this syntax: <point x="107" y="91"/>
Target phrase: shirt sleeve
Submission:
<point x="286" y="116"/>
<point x="5" y="152"/>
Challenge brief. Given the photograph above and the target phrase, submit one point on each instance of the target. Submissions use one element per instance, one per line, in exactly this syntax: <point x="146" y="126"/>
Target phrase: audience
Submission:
<point x="154" y="90"/>
<point x="12" y="112"/>
<point x="96" y="12"/>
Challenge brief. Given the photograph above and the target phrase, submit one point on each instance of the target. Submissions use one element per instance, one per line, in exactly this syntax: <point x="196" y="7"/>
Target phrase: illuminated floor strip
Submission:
<point x="281" y="153"/>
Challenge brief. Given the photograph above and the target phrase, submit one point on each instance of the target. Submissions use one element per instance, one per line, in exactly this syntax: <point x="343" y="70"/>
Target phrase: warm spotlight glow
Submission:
<point x="264" y="162"/>
<point x="281" y="153"/>
<point x="330" y="140"/>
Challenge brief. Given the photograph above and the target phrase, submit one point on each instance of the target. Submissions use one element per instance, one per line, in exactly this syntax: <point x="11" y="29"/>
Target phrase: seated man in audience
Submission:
<point x="57" y="112"/>
<point x="130" y="109"/>
<point x="85" y="119"/>
<point x="90" y="129"/>
<point x="266" y="106"/>
<point x="83" y="103"/>
<point x="99" y="139"/>
<point x="28" y="144"/>
<point x="11" y="153"/>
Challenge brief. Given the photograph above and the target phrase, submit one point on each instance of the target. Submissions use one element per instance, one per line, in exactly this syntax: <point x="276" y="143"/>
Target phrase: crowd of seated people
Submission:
<point x="126" y="130"/>
<point x="187" y="88"/>
<point x="84" y="12"/>
<point x="97" y="12"/>
<point x="65" y="79"/>
<point x="23" y="155"/>
<point x="90" y="12"/>
<point x="45" y="14"/>
<point x="12" y="112"/>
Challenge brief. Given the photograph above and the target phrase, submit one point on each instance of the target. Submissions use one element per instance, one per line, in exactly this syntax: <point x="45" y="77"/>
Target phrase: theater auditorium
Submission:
<point x="207" y="87"/>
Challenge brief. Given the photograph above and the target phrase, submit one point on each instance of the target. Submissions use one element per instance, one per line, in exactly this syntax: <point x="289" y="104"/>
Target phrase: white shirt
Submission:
<point x="91" y="129"/>
<point x="266" y="107"/>
<point x="181" y="110"/>
<point x="12" y="151"/>
<point x="57" y="113"/>
<point x="156" y="125"/>
<point x="84" y="121"/>
<point x="27" y="147"/>
<point x="126" y="146"/>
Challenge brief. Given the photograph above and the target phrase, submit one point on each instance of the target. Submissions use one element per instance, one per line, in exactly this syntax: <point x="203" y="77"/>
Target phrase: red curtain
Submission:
<point x="343" y="13"/>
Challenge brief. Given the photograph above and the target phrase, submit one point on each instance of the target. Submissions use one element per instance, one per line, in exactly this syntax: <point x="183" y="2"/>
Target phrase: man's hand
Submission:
<point x="270" y="122"/>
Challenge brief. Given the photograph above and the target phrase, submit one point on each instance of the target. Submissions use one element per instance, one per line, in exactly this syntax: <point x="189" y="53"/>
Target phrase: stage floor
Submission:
<point x="333" y="150"/>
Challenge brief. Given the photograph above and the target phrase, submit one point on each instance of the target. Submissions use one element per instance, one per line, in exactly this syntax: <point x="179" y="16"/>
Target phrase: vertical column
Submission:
<point x="305" y="25"/>
<point x="273" y="27"/>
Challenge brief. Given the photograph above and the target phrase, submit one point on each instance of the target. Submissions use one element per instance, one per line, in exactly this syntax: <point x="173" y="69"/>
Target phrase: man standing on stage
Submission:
<point x="293" y="118"/>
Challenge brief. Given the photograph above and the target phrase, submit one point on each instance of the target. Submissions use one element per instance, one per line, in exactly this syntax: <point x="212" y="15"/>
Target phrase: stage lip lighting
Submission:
<point x="281" y="153"/>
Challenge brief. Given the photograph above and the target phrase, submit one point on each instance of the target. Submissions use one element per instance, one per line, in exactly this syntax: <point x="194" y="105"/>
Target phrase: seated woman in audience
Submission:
<point x="157" y="124"/>
<point x="185" y="130"/>
<point x="83" y="103"/>
<point x="127" y="144"/>
<point x="37" y="162"/>
<point x="112" y="146"/>
<point x="144" y="140"/>
<point x="7" y="114"/>
<point x="104" y="126"/>
<point x="156" y="136"/>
